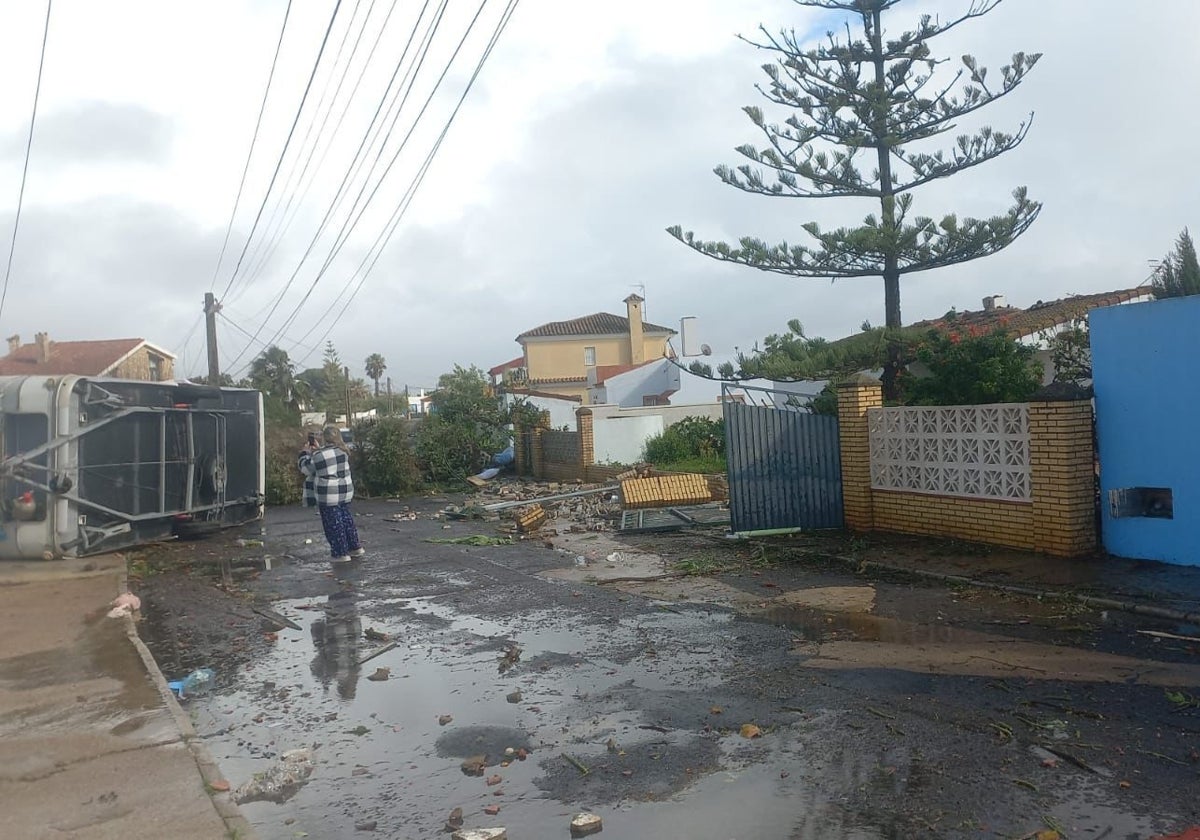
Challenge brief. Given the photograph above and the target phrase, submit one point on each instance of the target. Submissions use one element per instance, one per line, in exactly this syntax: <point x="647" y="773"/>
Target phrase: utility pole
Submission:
<point x="391" y="399"/>
<point x="211" y="308"/>
<point x="349" y="413"/>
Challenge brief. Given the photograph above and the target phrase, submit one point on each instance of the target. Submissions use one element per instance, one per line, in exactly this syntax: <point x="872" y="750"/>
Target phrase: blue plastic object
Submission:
<point x="199" y="681"/>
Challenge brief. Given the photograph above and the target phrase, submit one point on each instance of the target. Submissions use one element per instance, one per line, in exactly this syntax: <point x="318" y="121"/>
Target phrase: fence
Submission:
<point x="1019" y="475"/>
<point x="604" y="433"/>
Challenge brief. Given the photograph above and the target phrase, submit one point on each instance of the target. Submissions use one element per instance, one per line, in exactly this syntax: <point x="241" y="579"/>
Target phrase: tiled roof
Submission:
<point x="560" y="380"/>
<point x="601" y="323"/>
<point x="82" y="358"/>
<point x="1041" y="316"/>
<point x="509" y="365"/>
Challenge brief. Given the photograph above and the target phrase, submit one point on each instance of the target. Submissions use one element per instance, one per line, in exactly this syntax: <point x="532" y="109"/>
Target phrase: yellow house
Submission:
<point x="559" y="355"/>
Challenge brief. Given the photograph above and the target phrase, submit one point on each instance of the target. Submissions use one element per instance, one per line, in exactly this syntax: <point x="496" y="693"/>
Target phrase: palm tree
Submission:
<point x="375" y="365"/>
<point x="274" y="374"/>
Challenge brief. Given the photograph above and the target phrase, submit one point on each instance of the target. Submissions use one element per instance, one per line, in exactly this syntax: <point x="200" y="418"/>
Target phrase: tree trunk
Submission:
<point x="887" y="201"/>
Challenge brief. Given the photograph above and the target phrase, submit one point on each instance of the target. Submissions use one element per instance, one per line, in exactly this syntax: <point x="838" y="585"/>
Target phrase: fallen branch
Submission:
<point x="1074" y="759"/>
<point x="380" y="652"/>
<point x="1164" y="757"/>
<point x="583" y="771"/>
<point x="1158" y="634"/>
<point x="880" y="714"/>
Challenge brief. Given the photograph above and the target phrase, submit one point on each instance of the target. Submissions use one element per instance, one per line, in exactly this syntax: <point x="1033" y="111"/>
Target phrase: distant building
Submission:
<point x="120" y="358"/>
<point x="565" y="357"/>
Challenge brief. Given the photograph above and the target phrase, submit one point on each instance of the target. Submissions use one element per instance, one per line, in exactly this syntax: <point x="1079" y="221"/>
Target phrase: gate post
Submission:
<point x="854" y="397"/>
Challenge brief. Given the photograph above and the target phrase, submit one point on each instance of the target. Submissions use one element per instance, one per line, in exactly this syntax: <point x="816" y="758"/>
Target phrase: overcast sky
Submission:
<point x="592" y="128"/>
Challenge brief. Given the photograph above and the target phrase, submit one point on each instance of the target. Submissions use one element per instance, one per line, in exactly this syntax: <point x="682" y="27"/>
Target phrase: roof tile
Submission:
<point x="81" y="358"/>
<point x="599" y="323"/>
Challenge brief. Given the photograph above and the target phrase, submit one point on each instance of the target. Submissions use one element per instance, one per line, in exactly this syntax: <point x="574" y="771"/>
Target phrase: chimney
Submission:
<point x="43" y="347"/>
<point x="14" y="342"/>
<point x="637" y="344"/>
<point x="994" y="302"/>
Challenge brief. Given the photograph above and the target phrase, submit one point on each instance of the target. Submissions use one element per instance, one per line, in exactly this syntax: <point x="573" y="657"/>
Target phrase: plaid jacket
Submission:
<point x="329" y="470"/>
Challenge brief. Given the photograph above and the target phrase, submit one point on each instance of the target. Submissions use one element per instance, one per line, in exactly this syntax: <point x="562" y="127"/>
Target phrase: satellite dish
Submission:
<point x="705" y="350"/>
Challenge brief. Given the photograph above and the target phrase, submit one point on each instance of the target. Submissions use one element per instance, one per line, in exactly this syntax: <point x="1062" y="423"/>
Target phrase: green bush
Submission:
<point x="285" y="484"/>
<point x="973" y="368"/>
<point x="384" y="461"/>
<point x="695" y="439"/>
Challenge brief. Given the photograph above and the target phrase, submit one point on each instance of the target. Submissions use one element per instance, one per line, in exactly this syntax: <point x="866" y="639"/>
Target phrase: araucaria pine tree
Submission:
<point x="858" y="107"/>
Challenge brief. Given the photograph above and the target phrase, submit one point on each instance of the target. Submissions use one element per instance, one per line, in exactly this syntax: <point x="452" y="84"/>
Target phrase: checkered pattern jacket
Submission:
<point x="329" y="469"/>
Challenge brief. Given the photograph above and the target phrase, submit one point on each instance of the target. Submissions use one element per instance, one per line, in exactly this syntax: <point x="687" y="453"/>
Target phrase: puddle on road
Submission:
<point x="835" y="640"/>
<point x="382" y="755"/>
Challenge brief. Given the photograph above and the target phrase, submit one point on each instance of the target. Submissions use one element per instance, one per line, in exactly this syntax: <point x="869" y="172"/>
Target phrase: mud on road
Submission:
<point x="879" y="708"/>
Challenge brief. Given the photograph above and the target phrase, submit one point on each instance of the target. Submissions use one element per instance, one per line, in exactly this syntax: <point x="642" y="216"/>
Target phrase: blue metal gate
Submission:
<point x="785" y="466"/>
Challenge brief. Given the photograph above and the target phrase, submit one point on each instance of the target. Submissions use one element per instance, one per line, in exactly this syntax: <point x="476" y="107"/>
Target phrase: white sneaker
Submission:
<point x="358" y="552"/>
<point x="345" y="558"/>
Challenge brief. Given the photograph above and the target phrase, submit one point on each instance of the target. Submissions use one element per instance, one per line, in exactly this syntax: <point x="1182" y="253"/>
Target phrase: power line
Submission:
<point x="349" y="225"/>
<point x="350" y="173"/>
<point x="288" y="190"/>
<point x="37" y="90"/>
<point x="253" y="140"/>
<point x="385" y="237"/>
<point x="286" y="143"/>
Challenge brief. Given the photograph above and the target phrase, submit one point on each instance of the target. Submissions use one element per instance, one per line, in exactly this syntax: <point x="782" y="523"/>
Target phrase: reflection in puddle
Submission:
<point x="337" y="638"/>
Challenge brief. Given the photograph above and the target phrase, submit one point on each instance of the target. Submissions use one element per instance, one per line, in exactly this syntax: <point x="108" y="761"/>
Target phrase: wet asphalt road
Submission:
<point x="650" y="697"/>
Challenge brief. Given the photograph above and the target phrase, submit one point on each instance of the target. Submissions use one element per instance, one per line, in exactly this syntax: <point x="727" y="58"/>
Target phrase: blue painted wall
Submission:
<point x="1146" y="371"/>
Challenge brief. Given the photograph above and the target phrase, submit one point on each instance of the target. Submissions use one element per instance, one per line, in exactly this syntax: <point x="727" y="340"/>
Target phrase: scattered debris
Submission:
<point x="585" y="824"/>
<point x="494" y="780"/>
<point x="373" y="635"/>
<point x="491" y="810"/>
<point x="219" y="786"/>
<point x="380" y="675"/>
<point x="124" y="604"/>
<point x="583" y="771"/>
<point x="513" y="697"/>
<point x="1158" y="634"/>
<point x="275" y="618"/>
<point x="473" y="539"/>
<point x="199" y="681"/>
<point x="593" y="491"/>
<point x="455" y="821"/>
<point x="281" y="782"/>
<point x="366" y="825"/>
<point x="510" y="657"/>
<point x="480" y="834"/>
<point x="749" y="730"/>
<point x="380" y="652"/>
<point x="530" y="519"/>
<point x="359" y="730"/>
<point x="475" y="765"/>
<point x="445" y="719"/>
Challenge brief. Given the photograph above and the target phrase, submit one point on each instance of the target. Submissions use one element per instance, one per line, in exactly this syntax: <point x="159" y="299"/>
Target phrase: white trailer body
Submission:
<point x="92" y="465"/>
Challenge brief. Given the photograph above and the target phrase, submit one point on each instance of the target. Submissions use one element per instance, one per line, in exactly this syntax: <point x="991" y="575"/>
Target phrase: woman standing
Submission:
<point x="329" y="468"/>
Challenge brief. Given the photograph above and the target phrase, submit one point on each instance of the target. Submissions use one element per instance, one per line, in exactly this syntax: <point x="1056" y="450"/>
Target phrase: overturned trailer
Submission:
<point x="93" y="465"/>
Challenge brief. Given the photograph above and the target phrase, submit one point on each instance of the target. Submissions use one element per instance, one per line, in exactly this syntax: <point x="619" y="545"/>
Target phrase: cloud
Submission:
<point x="108" y="268"/>
<point x="95" y="132"/>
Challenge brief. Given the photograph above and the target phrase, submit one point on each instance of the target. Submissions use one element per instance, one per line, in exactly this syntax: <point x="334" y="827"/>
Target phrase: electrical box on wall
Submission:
<point x="1150" y="502"/>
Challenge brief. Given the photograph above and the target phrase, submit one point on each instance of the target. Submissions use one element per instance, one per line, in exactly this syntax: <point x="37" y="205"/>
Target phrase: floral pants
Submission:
<point x="340" y="530"/>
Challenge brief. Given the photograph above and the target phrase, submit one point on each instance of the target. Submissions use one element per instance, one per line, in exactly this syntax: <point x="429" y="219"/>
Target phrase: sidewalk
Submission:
<point x="91" y="746"/>
<point x="1140" y="586"/>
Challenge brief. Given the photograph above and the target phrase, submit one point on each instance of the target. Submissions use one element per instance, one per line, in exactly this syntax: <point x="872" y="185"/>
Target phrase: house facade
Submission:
<point x="562" y="357"/>
<point x="121" y="358"/>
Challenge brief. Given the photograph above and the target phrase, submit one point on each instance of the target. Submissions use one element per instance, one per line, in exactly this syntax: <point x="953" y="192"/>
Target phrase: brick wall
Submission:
<point x="1058" y="519"/>
<point x="138" y="366"/>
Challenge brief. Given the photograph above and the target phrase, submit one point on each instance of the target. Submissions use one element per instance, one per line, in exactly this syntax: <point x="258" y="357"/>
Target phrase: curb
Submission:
<point x="235" y="823"/>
